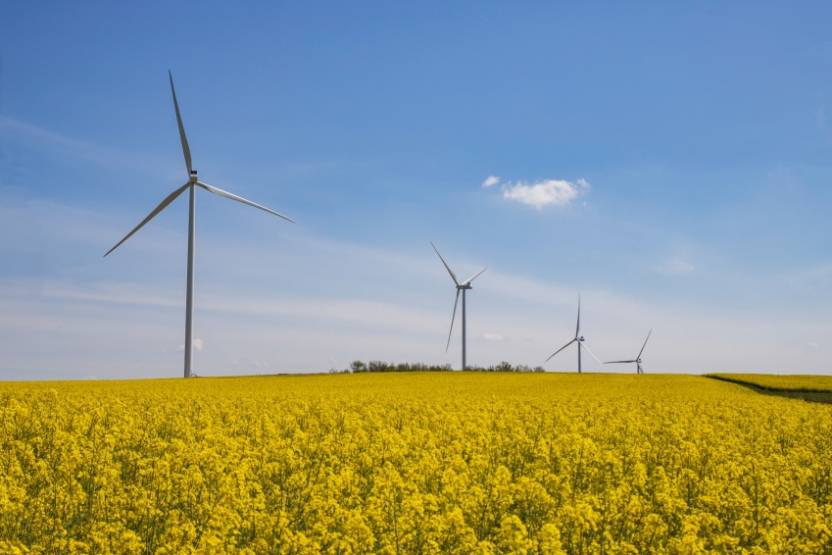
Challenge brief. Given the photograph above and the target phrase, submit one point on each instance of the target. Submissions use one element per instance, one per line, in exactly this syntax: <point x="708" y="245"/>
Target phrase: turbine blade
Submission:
<point x="453" y="317"/>
<point x="620" y="361"/>
<point x="453" y="276"/>
<point x="162" y="205"/>
<point x="559" y="350"/>
<point x="475" y="276"/>
<point x="585" y="346"/>
<point x="578" y="326"/>
<point x="645" y="344"/>
<point x="182" y="138"/>
<point x="232" y="196"/>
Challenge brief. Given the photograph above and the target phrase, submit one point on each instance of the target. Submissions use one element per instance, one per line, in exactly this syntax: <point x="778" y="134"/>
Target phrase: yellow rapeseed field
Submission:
<point x="413" y="463"/>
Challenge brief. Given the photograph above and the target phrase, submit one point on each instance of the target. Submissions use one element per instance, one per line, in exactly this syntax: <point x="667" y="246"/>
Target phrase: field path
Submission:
<point x="802" y="393"/>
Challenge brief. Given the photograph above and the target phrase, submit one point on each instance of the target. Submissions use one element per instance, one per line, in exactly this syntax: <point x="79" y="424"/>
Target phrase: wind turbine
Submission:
<point x="579" y="339"/>
<point x="191" y="185"/>
<point x="463" y="287"/>
<point x="637" y="360"/>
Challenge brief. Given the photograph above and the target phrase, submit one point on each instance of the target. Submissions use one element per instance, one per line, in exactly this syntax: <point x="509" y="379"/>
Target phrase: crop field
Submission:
<point x="787" y="383"/>
<point x="413" y="463"/>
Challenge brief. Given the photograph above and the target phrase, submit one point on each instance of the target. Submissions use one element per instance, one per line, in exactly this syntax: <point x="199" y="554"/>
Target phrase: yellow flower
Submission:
<point x="413" y="463"/>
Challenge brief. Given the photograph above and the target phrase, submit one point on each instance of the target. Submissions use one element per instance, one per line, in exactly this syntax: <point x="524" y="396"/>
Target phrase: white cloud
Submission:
<point x="558" y="192"/>
<point x="491" y="336"/>
<point x="490" y="181"/>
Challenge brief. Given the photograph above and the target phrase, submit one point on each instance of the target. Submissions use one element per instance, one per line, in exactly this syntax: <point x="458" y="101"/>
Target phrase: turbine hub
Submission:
<point x="192" y="177"/>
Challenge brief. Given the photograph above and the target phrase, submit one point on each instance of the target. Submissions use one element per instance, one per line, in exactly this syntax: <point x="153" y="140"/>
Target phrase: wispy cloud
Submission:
<point x="198" y="344"/>
<point x="814" y="277"/>
<point x="356" y="311"/>
<point x="539" y="194"/>
<point x="675" y="266"/>
<point x="98" y="318"/>
<point x="100" y="155"/>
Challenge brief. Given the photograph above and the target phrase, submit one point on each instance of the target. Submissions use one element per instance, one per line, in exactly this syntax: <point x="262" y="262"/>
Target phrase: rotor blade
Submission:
<point x="453" y="317"/>
<point x="232" y="196"/>
<point x="559" y="350"/>
<point x="645" y="344"/>
<point x="453" y="276"/>
<point x="182" y="138"/>
<point x="578" y="326"/>
<point x="585" y="346"/>
<point x="620" y="361"/>
<point x="162" y="205"/>
<point x="475" y="276"/>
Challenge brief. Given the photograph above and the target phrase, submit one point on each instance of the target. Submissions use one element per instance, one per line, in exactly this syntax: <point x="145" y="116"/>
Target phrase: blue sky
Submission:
<point x="672" y="164"/>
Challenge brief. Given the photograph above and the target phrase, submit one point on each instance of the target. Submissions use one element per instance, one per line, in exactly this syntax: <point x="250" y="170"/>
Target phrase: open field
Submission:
<point x="410" y="463"/>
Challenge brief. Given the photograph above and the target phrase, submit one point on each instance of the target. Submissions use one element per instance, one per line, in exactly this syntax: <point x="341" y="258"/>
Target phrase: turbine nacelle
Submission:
<point x="192" y="177"/>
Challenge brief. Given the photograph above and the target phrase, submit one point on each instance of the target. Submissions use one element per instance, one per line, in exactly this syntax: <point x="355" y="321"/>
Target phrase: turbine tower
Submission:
<point x="191" y="185"/>
<point x="637" y="360"/>
<point x="460" y="287"/>
<point x="579" y="339"/>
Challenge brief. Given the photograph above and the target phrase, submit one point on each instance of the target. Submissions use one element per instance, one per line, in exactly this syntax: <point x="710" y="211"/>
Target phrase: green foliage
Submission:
<point x="381" y="366"/>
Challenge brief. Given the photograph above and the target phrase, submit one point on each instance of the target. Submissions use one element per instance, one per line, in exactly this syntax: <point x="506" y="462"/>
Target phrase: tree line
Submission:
<point x="358" y="366"/>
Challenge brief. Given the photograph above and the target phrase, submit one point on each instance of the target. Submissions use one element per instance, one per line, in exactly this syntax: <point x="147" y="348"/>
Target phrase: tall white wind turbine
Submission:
<point x="637" y="360"/>
<point x="460" y="287"/>
<point x="579" y="340"/>
<point x="191" y="185"/>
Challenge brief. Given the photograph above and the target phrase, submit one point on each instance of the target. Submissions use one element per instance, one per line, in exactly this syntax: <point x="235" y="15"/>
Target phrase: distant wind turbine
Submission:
<point x="191" y="185"/>
<point x="637" y="360"/>
<point x="463" y="287"/>
<point x="579" y="339"/>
